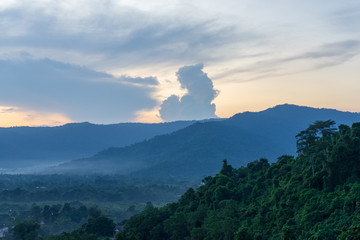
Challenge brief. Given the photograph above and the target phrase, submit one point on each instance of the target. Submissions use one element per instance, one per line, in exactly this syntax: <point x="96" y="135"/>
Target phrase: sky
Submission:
<point x="111" y="61"/>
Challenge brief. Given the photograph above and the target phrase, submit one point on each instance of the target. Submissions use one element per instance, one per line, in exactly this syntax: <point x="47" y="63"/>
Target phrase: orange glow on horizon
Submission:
<point x="148" y="116"/>
<point x="13" y="117"/>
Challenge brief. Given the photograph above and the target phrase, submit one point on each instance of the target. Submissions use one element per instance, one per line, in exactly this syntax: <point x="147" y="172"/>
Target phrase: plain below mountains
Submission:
<point x="198" y="150"/>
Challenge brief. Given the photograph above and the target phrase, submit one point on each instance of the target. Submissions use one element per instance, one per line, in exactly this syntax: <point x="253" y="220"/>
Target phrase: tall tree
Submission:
<point x="26" y="231"/>
<point x="306" y="140"/>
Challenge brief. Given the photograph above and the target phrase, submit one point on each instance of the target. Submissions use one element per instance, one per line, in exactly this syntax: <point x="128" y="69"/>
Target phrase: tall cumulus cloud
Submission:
<point x="197" y="103"/>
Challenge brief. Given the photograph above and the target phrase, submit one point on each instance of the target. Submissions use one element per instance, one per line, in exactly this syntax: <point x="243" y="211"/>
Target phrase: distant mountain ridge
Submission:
<point x="27" y="146"/>
<point x="198" y="149"/>
<point x="275" y="121"/>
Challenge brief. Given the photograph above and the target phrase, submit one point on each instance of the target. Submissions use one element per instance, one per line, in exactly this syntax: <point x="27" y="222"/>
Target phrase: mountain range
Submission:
<point x="22" y="147"/>
<point x="198" y="149"/>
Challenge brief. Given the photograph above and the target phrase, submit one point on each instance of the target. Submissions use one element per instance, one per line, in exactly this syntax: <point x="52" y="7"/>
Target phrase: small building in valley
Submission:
<point x="4" y="232"/>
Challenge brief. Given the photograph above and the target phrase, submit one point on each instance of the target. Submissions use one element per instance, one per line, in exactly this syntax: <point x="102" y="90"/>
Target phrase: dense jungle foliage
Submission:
<point x="95" y="227"/>
<point x="313" y="196"/>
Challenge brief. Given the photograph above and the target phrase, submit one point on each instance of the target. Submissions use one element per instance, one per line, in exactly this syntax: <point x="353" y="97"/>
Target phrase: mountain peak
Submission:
<point x="279" y="111"/>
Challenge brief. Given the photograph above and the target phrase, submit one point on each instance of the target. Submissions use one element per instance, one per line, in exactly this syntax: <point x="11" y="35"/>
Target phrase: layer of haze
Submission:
<point x="115" y="61"/>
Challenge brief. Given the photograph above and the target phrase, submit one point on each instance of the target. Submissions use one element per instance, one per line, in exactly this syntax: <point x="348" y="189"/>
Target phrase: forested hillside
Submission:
<point x="190" y="152"/>
<point x="313" y="196"/>
<point x="194" y="152"/>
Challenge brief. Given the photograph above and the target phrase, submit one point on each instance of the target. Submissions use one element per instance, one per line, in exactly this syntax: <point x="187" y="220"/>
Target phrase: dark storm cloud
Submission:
<point x="78" y="92"/>
<point x="196" y="103"/>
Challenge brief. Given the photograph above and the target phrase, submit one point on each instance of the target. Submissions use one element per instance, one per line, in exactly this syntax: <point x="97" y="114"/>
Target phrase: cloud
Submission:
<point x="196" y="103"/>
<point x="346" y="19"/>
<point x="338" y="50"/>
<point x="149" y="81"/>
<point x="6" y="109"/>
<point x="326" y="55"/>
<point x="117" y="33"/>
<point x="78" y="93"/>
